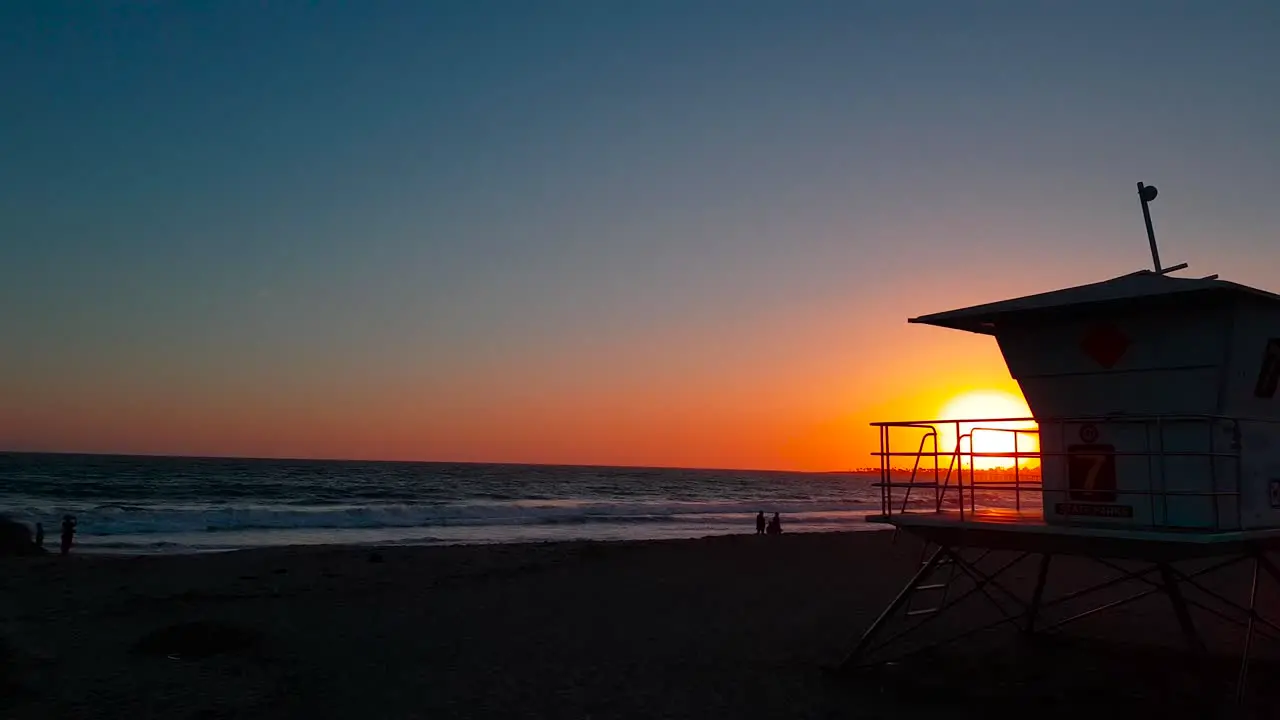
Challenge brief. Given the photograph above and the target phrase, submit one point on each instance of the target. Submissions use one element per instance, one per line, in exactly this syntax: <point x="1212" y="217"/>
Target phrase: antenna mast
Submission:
<point x="1147" y="193"/>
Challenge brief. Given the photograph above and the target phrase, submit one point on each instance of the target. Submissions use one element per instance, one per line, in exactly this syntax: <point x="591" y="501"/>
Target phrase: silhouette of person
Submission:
<point x="40" y="536"/>
<point x="777" y="524"/>
<point x="760" y="523"/>
<point x="68" y="532"/>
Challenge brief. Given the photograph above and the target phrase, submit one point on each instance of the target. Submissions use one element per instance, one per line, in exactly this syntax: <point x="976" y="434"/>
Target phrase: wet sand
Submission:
<point x="737" y="626"/>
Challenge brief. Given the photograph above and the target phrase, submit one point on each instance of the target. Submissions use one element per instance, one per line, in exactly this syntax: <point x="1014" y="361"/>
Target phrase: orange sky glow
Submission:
<point x="803" y="406"/>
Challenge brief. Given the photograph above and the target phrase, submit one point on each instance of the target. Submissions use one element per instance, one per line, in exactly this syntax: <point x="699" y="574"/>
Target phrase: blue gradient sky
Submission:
<point x="637" y="232"/>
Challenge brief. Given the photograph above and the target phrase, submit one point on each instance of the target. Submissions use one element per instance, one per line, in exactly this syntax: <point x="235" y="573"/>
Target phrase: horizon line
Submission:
<point x="77" y="453"/>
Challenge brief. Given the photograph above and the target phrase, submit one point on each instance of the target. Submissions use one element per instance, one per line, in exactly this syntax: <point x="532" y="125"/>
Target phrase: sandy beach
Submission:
<point x="737" y="626"/>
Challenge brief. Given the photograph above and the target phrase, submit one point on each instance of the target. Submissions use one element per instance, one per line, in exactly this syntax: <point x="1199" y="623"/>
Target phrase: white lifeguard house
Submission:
<point x="1158" y="430"/>
<point x="1154" y="396"/>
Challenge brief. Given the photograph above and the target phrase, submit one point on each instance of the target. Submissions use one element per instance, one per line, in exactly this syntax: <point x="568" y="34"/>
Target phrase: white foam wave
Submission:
<point x="107" y="520"/>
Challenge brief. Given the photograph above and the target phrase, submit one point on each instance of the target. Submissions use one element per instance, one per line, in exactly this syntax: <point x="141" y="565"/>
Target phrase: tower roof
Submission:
<point x="1137" y="286"/>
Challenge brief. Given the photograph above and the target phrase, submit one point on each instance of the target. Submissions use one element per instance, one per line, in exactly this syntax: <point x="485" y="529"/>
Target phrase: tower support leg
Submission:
<point x="1194" y="641"/>
<point x="1248" y="633"/>
<point x="1038" y="594"/>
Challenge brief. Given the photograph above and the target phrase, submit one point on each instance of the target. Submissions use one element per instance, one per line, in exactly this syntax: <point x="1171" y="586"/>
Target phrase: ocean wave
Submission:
<point x="131" y="519"/>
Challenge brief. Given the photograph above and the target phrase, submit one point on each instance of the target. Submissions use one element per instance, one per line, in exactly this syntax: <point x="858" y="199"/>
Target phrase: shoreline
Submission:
<point x="91" y="550"/>
<point x="81" y="552"/>
<point x="453" y="535"/>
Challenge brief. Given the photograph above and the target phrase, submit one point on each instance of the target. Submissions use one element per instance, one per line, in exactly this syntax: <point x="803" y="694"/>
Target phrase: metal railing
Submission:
<point x="952" y="476"/>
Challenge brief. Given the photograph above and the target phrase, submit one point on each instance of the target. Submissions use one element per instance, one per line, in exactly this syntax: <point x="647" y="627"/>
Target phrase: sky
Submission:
<point x="669" y="233"/>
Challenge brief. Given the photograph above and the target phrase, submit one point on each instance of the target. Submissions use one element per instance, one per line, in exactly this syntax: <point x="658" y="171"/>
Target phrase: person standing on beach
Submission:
<point x="39" y="536"/>
<point x="760" y="523"/>
<point x="68" y="532"/>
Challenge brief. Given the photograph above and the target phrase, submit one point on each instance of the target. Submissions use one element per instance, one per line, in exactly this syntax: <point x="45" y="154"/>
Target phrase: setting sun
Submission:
<point x="980" y="435"/>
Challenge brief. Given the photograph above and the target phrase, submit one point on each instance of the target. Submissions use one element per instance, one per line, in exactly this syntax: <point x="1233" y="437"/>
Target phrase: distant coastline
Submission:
<point x="286" y="459"/>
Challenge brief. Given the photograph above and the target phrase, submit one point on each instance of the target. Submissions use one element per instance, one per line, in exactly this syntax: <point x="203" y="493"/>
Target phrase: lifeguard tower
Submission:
<point x="1154" y="440"/>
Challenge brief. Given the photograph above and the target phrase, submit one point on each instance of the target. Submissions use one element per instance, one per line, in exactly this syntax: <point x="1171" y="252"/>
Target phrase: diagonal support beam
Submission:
<point x="950" y="604"/>
<point x="901" y="599"/>
<point x="983" y="580"/>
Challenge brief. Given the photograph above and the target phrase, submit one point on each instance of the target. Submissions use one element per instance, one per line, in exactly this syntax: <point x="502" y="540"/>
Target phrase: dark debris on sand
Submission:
<point x="198" y="639"/>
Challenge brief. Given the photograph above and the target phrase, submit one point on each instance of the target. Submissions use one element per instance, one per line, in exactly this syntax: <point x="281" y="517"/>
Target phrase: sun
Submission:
<point x="979" y="435"/>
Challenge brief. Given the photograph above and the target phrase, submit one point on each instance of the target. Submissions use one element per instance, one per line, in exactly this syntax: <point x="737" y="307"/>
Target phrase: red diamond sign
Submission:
<point x="1105" y="343"/>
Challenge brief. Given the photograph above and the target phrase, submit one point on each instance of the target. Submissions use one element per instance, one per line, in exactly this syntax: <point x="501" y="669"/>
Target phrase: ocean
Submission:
<point x="160" y="504"/>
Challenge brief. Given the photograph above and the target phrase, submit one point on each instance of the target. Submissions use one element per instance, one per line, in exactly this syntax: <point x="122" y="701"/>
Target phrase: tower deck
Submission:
<point x="1006" y="531"/>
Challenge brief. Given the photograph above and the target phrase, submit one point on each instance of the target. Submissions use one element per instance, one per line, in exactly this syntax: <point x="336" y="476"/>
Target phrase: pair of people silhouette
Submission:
<point x="773" y="527"/>
<point x="68" y="533"/>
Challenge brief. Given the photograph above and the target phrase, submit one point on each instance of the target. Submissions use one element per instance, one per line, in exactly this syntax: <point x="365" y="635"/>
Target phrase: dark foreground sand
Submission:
<point x="736" y="627"/>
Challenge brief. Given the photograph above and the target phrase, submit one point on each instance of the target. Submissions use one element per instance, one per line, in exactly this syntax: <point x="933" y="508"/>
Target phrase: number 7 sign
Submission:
<point x="1091" y="473"/>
